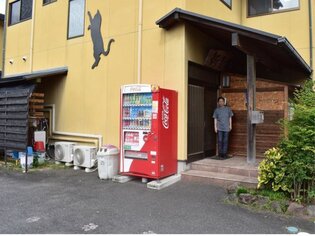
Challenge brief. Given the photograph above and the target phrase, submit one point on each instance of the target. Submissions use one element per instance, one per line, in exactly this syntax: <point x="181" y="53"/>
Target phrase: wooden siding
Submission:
<point x="267" y="134"/>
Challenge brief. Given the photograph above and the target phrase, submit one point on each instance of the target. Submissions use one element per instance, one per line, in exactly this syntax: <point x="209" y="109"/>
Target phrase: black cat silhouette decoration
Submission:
<point x="97" y="39"/>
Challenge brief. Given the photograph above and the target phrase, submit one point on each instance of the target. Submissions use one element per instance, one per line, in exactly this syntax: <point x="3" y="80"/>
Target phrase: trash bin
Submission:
<point x="107" y="159"/>
<point x="30" y="158"/>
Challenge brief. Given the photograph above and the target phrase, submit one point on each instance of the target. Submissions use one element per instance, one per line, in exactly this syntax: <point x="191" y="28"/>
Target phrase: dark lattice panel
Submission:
<point x="14" y="108"/>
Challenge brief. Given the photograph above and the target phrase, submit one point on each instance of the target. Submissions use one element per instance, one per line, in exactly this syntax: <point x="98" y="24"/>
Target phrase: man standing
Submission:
<point x="223" y="125"/>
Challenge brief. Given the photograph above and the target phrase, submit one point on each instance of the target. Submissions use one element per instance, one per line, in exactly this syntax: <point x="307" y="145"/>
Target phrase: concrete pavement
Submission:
<point x="68" y="201"/>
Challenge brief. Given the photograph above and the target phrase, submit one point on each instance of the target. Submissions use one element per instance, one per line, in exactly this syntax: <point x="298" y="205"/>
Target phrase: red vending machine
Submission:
<point x="148" y="140"/>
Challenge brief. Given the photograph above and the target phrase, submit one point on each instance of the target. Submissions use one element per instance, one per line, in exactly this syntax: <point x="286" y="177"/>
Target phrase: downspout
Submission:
<point x="32" y="36"/>
<point x="310" y="14"/>
<point x="4" y="38"/>
<point x="139" y="41"/>
<point x="241" y="21"/>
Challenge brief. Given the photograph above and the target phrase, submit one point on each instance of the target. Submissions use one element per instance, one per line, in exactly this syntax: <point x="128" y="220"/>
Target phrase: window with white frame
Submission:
<point x="20" y="10"/>
<point x="260" y="7"/>
<point x="76" y="18"/>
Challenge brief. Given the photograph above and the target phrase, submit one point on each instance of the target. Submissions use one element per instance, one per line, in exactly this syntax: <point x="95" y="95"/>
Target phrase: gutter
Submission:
<point x="32" y="36"/>
<point x="289" y="46"/>
<point x="310" y="15"/>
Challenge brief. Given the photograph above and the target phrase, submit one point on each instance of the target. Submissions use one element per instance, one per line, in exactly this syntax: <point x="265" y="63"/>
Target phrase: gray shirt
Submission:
<point x="223" y="114"/>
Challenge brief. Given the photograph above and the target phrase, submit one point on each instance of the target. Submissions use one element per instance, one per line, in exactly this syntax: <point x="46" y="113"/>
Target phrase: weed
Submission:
<point x="240" y="190"/>
<point x="272" y="195"/>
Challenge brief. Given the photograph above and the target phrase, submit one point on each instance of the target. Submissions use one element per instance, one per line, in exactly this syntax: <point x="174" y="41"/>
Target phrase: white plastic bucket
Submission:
<point x="22" y="157"/>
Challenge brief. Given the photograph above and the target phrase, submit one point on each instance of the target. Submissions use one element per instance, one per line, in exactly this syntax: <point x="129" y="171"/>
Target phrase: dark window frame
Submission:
<point x="272" y="12"/>
<point x="226" y="4"/>
<point x="50" y="1"/>
<point x="81" y="35"/>
<point x="10" y="13"/>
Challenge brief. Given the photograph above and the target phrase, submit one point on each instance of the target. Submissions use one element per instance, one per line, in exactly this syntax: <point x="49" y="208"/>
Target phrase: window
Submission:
<point x="76" y="18"/>
<point x="45" y="2"/>
<point x="15" y="9"/>
<point x="259" y="7"/>
<point x="20" y="10"/>
<point x="228" y="3"/>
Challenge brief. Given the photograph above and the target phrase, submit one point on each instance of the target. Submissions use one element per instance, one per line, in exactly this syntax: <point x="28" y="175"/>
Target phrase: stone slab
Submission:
<point x="122" y="178"/>
<point x="163" y="183"/>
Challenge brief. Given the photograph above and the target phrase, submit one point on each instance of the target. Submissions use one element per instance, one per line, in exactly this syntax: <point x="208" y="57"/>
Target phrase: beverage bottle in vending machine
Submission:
<point x="126" y="99"/>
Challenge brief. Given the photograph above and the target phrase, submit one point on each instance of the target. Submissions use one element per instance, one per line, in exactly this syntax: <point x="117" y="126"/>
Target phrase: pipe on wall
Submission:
<point x="310" y="15"/>
<point x="32" y="36"/>
<point x="140" y="41"/>
<point x="51" y="109"/>
<point x="72" y="139"/>
<point x="4" y="37"/>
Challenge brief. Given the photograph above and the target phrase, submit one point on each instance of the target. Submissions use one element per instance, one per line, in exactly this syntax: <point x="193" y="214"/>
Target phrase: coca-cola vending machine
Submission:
<point x="148" y="140"/>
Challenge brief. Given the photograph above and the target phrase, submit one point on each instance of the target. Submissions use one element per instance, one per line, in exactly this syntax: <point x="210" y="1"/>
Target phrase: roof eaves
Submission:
<point x="30" y="76"/>
<point x="183" y="14"/>
<point x="49" y="72"/>
<point x="289" y="46"/>
<point x="178" y="14"/>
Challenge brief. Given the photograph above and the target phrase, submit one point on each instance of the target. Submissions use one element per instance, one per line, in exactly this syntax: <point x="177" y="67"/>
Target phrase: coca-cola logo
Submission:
<point x="165" y="112"/>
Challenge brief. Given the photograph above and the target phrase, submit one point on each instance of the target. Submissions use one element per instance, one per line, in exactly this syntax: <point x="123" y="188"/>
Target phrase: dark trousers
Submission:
<point x="223" y="142"/>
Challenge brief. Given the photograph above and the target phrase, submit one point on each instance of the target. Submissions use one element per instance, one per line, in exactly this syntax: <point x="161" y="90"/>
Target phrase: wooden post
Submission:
<point x="251" y="52"/>
<point x="286" y="107"/>
<point x="251" y="106"/>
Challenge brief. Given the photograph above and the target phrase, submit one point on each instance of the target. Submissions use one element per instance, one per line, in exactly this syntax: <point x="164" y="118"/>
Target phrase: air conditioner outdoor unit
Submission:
<point x="84" y="156"/>
<point x="64" y="151"/>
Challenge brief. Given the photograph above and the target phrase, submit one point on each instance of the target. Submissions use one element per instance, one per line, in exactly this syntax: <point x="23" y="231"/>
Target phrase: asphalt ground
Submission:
<point x="68" y="201"/>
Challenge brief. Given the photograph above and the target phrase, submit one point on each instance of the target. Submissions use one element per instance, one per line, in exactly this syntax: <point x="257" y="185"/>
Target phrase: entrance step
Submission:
<point x="234" y="167"/>
<point x="217" y="178"/>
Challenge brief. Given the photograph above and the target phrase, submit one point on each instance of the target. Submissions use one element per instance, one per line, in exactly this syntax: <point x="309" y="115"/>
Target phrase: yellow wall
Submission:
<point x="87" y="101"/>
<point x="18" y="46"/>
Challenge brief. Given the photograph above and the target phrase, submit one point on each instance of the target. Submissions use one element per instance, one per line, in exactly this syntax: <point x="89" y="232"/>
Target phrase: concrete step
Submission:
<point x="220" y="179"/>
<point x="226" y="169"/>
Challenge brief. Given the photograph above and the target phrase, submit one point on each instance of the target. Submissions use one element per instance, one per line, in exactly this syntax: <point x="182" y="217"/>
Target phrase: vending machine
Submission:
<point x="148" y="140"/>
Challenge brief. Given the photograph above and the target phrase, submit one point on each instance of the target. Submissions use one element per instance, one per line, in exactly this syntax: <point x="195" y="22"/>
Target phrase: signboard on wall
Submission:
<point x="217" y="59"/>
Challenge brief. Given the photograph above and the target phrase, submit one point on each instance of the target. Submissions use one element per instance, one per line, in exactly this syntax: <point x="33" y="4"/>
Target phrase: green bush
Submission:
<point x="291" y="166"/>
<point x="272" y="171"/>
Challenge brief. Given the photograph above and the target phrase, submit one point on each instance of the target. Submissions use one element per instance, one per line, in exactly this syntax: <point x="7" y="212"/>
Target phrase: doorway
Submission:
<point x="202" y="101"/>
